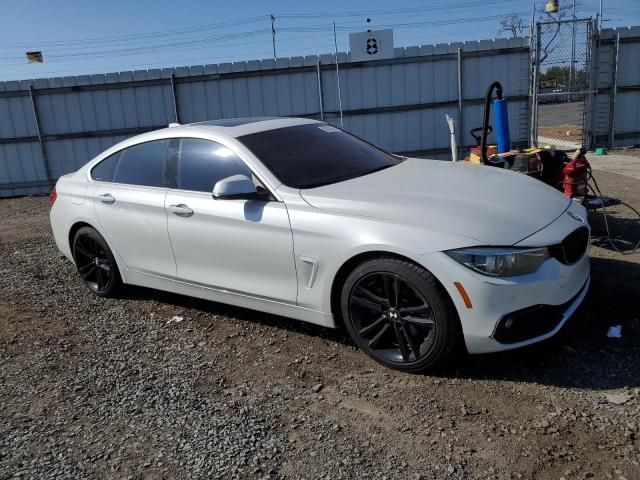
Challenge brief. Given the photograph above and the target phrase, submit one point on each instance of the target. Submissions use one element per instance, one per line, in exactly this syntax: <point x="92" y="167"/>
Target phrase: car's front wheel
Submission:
<point x="399" y="315"/>
<point x="95" y="262"/>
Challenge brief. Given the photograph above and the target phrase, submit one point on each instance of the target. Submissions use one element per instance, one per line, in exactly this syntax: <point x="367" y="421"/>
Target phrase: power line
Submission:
<point x="373" y="13"/>
<point x="248" y="20"/>
<point x="452" y="21"/>
<point x="209" y="47"/>
<point x="150" y="48"/>
<point x="139" y="36"/>
<point x="317" y="48"/>
<point x="147" y="43"/>
<point x="214" y="58"/>
<point x="207" y="41"/>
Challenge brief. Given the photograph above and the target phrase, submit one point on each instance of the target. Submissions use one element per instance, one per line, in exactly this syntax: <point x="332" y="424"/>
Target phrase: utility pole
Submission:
<point x="600" y="14"/>
<point x="533" y="21"/>
<point x="273" y="35"/>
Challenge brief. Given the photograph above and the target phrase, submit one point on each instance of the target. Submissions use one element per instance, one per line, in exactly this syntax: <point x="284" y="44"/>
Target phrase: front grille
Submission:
<point x="572" y="248"/>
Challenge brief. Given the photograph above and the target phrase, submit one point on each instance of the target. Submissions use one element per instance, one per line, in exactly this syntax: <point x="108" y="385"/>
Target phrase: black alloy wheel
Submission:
<point x="398" y="313"/>
<point x="392" y="316"/>
<point x="95" y="262"/>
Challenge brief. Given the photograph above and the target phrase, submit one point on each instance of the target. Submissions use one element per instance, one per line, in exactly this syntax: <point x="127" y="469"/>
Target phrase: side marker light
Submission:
<point x="463" y="293"/>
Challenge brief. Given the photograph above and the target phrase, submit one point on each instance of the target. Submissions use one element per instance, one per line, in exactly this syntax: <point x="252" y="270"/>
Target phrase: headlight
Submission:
<point x="503" y="262"/>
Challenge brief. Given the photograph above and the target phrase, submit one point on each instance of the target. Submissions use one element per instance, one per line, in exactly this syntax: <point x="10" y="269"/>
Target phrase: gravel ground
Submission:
<point x="121" y="388"/>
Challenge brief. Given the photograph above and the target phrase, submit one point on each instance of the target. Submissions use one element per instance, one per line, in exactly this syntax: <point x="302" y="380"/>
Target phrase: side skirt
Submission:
<point x="141" y="279"/>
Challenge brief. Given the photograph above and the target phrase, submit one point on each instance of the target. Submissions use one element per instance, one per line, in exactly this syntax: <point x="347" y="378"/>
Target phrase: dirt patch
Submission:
<point x="98" y="388"/>
<point x="570" y="133"/>
<point x="628" y="151"/>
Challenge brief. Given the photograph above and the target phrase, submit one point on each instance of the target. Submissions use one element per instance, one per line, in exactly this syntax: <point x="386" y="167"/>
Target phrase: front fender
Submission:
<point x="332" y="239"/>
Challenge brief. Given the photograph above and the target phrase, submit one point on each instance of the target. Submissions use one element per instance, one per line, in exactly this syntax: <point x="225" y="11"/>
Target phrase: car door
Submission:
<point x="237" y="245"/>
<point x="129" y="204"/>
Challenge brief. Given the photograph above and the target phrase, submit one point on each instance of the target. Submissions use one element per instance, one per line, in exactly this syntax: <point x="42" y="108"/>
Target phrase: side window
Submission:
<point x="142" y="164"/>
<point x="202" y="163"/>
<point x="103" y="172"/>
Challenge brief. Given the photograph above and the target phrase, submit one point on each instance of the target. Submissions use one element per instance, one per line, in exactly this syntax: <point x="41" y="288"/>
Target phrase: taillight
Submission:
<point x="53" y="197"/>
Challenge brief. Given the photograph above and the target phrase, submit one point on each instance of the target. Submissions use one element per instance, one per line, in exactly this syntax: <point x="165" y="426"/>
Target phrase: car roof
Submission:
<point x="237" y="127"/>
<point x="232" y="127"/>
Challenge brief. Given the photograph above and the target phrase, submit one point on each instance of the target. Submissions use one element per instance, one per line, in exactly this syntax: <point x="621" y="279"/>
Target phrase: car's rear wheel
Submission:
<point x="399" y="315"/>
<point x="95" y="262"/>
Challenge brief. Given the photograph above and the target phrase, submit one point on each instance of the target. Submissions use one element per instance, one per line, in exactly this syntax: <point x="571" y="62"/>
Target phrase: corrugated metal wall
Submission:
<point x="616" y="113"/>
<point x="49" y="127"/>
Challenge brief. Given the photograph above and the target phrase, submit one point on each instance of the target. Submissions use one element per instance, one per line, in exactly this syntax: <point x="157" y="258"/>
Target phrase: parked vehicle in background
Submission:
<point x="556" y="94"/>
<point x="298" y="218"/>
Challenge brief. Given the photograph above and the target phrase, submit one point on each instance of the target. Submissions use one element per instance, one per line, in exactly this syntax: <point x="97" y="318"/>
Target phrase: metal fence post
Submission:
<point x="335" y="43"/>
<point x="614" y="92"/>
<point x="174" y="94"/>
<point x="594" y="71"/>
<point x="587" y="111"/>
<point x="43" y="150"/>
<point x="534" y="89"/>
<point x="320" y="92"/>
<point x="460" y="107"/>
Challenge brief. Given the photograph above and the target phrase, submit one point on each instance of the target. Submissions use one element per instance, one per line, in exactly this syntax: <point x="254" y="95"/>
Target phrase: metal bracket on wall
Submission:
<point x="320" y="90"/>
<point x="43" y="149"/>
<point x="614" y="92"/>
<point x="174" y="95"/>
<point x="460" y="106"/>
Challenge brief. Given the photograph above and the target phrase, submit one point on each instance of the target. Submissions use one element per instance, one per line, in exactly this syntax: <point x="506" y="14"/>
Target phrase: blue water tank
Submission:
<point x="501" y="121"/>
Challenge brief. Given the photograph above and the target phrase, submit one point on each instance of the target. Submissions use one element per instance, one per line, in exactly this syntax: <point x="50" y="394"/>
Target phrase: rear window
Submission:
<point x="142" y="164"/>
<point x="307" y="156"/>
<point x="103" y="172"/>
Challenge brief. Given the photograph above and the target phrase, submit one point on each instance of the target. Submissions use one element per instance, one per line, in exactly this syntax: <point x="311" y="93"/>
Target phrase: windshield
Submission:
<point x="307" y="156"/>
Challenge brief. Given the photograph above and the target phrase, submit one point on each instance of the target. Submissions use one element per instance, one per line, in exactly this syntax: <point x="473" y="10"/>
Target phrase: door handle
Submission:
<point x="106" y="198"/>
<point x="181" y="210"/>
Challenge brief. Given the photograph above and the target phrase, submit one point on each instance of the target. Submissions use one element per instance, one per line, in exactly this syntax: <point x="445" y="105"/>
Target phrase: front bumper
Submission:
<point x="536" y="322"/>
<point x="560" y="287"/>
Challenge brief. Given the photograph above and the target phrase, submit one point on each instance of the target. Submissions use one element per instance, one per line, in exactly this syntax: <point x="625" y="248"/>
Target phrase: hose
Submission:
<point x="598" y="194"/>
<point x="485" y="121"/>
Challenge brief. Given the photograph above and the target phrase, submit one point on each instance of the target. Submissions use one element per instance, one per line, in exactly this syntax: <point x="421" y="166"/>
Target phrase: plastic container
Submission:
<point x="501" y="120"/>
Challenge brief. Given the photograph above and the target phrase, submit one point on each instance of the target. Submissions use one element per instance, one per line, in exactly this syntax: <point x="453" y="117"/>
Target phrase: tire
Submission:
<point x="399" y="314"/>
<point x="95" y="263"/>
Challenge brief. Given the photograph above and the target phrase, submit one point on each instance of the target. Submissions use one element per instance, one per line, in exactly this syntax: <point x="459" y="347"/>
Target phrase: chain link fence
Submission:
<point x="562" y="75"/>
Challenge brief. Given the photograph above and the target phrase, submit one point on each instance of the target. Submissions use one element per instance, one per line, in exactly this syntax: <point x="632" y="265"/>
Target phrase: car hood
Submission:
<point x="490" y="205"/>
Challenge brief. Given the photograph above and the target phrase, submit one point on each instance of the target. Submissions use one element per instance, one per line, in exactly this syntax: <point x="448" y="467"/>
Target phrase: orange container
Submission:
<point x="491" y="150"/>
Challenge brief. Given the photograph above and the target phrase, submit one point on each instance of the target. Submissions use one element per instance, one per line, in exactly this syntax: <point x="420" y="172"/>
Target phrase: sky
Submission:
<point x="85" y="37"/>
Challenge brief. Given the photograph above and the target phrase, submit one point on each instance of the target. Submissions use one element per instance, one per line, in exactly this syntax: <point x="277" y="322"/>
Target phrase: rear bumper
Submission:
<point x="60" y="229"/>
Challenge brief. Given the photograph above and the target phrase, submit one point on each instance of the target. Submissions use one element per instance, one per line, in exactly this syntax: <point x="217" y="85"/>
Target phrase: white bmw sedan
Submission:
<point x="298" y="218"/>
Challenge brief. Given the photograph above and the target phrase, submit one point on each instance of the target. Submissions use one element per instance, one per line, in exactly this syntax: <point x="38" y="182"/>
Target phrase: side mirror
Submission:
<point x="236" y="186"/>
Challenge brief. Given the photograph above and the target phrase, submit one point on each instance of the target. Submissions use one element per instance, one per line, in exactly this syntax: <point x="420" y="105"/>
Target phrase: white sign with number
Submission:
<point x="373" y="45"/>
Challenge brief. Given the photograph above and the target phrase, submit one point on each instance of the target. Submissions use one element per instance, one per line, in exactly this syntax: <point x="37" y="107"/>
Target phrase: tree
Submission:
<point x="565" y="11"/>
<point x="513" y="24"/>
<point x="562" y="76"/>
<point x="557" y="73"/>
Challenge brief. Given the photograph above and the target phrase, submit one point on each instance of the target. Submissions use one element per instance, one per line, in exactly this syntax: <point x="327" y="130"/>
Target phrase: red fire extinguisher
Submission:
<point x="576" y="174"/>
